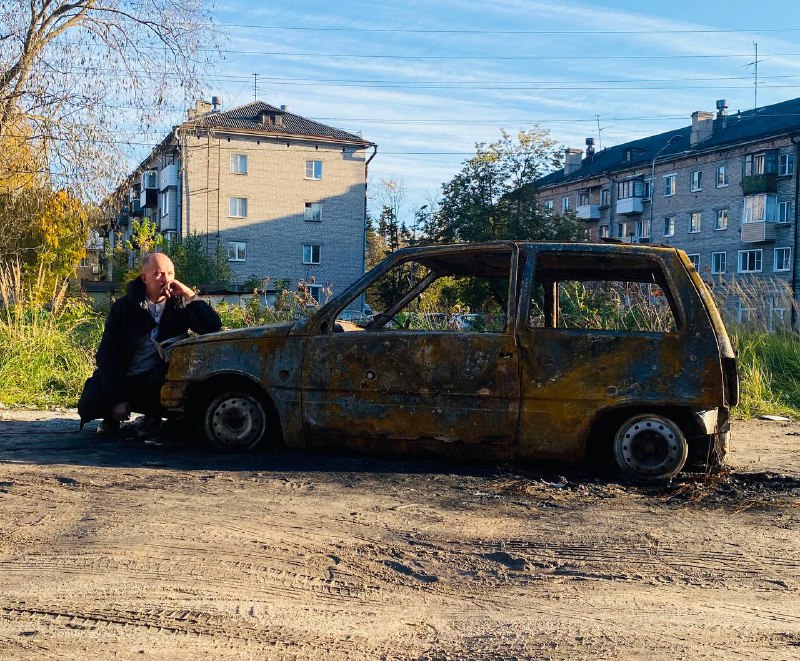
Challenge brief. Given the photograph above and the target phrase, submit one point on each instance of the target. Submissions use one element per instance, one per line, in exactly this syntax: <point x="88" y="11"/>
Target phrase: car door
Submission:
<point x="442" y="384"/>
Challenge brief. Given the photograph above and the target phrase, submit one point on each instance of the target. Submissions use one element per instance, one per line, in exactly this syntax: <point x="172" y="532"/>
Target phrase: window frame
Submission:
<point x="311" y="217"/>
<point x="236" y="169"/>
<point x="788" y="205"/>
<point x="722" y="173"/>
<point x="671" y="221"/>
<point x="241" y="205"/>
<point x="698" y="216"/>
<point x="163" y="204"/>
<point x="237" y="245"/>
<point x="673" y="188"/>
<point x="696" y="181"/>
<point x="694" y="258"/>
<point x="757" y="251"/>
<point x="565" y="204"/>
<point x="785" y="165"/>
<point x="787" y="260"/>
<point x="715" y="264"/>
<point x="311" y="167"/>
<point x="717" y="212"/>
<point x="309" y="260"/>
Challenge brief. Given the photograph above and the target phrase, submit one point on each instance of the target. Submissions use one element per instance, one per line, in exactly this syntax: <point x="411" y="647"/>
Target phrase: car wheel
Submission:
<point x="235" y="421"/>
<point x="650" y="447"/>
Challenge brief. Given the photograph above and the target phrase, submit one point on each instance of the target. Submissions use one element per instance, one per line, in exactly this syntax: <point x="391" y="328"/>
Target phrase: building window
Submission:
<point x="758" y="208"/>
<point x="782" y="259"/>
<point x="565" y="204"/>
<point x="777" y="317"/>
<point x="670" y="185"/>
<point x="745" y="313"/>
<point x="604" y="197"/>
<point x="643" y="228"/>
<point x="315" y="291"/>
<point x="238" y="207"/>
<point x="548" y="205"/>
<point x="238" y="163"/>
<point x="314" y="170"/>
<point x="84" y="263"/>
<point x="669" y="226"/>
<point x="584" y="199"/>
<point x="605" y="231"/>
<point x="621" y="229"/>
<point x="695" y="260"/>
<point x="718" y="262"/>
<point x="310" y="254"/>
<point x="785" y="164"/>
<point x="237" y="251"/>
<point x="313" y="211"/>
<point x="750" y="261"/>
<point x="721" y="219"/>
<point x="630" y="188"/>
<point x="648" y="189"/>
<point x="785" y="212"/>
<point x="694" y="222"/>
<point x="754" y="164"/>
<point x="163" y="204"/>
<point x="722" y="176"/>
<point x="696" y="181"/>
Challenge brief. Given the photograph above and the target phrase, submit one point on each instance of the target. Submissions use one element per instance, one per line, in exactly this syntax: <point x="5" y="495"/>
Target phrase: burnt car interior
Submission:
<point x="624" y="293"/>
<point x="464" y="291"/>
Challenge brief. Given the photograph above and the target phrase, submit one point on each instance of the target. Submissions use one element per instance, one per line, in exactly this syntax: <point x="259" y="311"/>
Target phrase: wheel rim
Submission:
<point x="237" y="422"/>
<point x="650" y="446"/>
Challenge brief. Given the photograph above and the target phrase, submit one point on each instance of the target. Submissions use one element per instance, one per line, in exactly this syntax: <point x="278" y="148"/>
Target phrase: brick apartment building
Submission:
<point x="724" y="189"/>
<point x="284" y="196"/>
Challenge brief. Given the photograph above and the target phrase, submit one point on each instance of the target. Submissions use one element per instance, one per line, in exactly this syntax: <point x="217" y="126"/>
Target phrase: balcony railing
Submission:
<point x="588" y="211"/>
<point x="758" y="232"/>
<point x="168" y="177"/>
<point x="759" y="183"/>
<point x="148" y="198"/>
<point x="629" y="206"/>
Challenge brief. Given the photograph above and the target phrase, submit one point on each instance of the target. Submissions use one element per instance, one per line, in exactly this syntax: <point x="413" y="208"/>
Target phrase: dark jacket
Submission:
<point x="128" y="320"/>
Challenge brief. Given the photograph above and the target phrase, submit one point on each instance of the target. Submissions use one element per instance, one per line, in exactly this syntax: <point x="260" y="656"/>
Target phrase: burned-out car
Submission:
<point x="582" y="349"/>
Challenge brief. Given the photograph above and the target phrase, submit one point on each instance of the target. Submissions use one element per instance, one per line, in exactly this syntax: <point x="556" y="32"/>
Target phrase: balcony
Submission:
<point x="629" y="206"/>
<point x="758" y="232"/>
<point x="168" y="177"/>
<point x="760" y="183"/>
<point x="148" y="198"/>
<point x="588" y="211"/>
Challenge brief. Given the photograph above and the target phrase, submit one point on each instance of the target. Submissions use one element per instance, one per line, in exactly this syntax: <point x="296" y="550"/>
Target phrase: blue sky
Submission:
<point x="427" y="80"/>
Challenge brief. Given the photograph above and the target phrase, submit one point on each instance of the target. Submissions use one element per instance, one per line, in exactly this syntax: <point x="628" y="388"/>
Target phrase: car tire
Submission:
<point x="235" y="421"/>
<point x="650" y="447"/>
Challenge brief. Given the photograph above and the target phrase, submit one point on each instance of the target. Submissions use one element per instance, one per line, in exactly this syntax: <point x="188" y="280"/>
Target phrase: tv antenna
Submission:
<point x="255" y="87"/>
<point x="754" y="64"/>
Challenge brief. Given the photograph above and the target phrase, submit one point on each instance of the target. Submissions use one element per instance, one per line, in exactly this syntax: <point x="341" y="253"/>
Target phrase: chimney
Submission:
<point x="721" y="122"/>
<point x="702" y="126"/>
<point x="590" y="149"/>
<point x="572" y="160"/>
<point x="200" y="108"/>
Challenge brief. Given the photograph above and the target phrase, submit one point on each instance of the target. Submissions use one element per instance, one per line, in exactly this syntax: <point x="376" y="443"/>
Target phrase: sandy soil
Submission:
<point x="122" y="550"/>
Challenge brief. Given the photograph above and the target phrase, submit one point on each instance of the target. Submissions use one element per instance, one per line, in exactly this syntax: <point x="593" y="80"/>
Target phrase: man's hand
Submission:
<point x="177" y="288"/>
<point x="121" y="411"/>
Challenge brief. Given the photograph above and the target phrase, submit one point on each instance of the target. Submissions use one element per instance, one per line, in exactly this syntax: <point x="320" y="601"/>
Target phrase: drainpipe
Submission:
<point x="364" y="229"/>
<point x="796" y="142"/>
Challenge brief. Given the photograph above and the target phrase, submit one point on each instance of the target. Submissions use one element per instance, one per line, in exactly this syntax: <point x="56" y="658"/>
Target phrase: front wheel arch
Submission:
<point x="204" y="394"/>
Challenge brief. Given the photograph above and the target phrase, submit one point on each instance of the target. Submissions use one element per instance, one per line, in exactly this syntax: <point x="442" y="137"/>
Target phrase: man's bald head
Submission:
<point x="157" y="272"/>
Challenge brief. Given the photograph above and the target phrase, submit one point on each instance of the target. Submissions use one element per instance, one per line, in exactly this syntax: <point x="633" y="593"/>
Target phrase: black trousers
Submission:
<point x="143" y="393"/>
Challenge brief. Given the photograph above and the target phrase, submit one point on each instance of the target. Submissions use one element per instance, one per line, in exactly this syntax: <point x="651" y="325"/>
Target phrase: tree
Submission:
<point x="194" y="265"/>
<point x="80" y="73"/>
<point x="494" y="194"/>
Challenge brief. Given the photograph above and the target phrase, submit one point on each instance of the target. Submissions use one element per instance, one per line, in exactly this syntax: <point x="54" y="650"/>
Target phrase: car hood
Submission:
<point x="273" y="330"/>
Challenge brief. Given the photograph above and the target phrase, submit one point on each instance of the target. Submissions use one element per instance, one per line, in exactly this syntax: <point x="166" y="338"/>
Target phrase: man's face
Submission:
<point x="157" y="274"/>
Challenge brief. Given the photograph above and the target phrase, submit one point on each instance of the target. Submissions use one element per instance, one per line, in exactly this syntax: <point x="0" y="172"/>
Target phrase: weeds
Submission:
<point x="47" y="341"/>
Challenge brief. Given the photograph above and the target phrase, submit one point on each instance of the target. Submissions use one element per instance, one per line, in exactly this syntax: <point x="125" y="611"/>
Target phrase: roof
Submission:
<point x="778" y="119"/>
<point x="248" y="118"/>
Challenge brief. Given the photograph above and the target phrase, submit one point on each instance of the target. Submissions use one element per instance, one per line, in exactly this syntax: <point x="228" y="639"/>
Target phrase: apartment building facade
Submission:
<point x="284" y="196"/>
<point x="724" y="189"/>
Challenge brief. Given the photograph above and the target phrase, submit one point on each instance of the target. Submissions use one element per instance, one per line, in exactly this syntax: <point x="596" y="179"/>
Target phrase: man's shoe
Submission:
<point x="108" y="427"/>
<point x="148" y="427"/>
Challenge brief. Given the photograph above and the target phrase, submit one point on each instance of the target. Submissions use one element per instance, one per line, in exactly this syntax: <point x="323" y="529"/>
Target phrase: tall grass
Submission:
<point x="47" y="341"/>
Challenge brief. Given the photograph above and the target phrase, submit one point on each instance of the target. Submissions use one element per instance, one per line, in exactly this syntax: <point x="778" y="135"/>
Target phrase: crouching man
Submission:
<point x="131" y="361"/>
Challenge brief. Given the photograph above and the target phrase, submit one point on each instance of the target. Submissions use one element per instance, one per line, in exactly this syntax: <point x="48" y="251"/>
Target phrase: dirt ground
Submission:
<point x="117" y="549"/>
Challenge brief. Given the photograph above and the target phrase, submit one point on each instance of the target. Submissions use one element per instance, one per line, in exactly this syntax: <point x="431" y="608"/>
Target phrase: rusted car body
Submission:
<point x="547" y="380"/>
